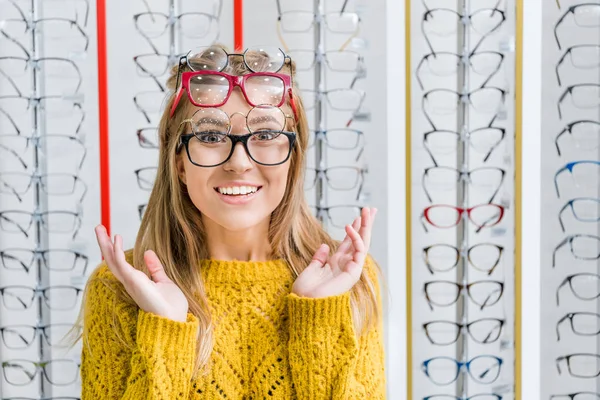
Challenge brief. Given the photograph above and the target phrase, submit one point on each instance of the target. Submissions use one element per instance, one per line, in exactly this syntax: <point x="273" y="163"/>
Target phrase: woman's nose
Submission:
<point x="240" y="160"/>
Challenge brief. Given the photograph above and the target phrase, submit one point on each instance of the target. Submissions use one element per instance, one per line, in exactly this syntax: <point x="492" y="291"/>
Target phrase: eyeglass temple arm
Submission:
<point x="561" y="244"/>
<point x="424" y="186"/>
<point x="422" y="219"/>
<point x="560" y="221"/>
<point x="279" y="34"/>
<point x="558" y="290"/>
<point x="12" y="189"/>
<point x="558" y="360"/>
<point x="556" y="27"/>
<point x="12" y="83"/>
<point x="560" y="321"/>
<point x="558" y="137"/>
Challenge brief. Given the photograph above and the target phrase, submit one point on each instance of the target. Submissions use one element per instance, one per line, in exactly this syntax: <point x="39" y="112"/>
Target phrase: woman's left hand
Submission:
<point x="331" y="276"/>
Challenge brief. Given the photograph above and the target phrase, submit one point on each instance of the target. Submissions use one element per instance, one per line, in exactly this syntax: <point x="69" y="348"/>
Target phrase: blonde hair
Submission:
<point x="172" y="226"/>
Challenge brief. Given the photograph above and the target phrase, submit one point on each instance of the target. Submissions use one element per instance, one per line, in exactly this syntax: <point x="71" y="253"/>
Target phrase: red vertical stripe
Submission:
<point x="238" y="26"/>
<point x="103" y="114"/>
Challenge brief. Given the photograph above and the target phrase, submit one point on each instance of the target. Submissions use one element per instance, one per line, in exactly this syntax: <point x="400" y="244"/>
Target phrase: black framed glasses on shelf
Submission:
<point x="154" y="66"/>
<point x="582" y="246"/>
<point x="23" y="372"/>
<point x="19" y="183"/>
<point x="58" y="297"/>
<point x="145" y="177"/>
<point x="443" y="22"/>
<point x="337" y="178"/>
<point x="582" y="323"/>
<point x="338" y="138"/>
<point x="585" y="286"/>
<point x="16" y="147"/>
<point x="443" y="371"/>
<point x="484" y="293"/>
<point x="337" y="99"/>
<point x="141" y="210"/>
<point x="484" y="257"/>
<point x="338" y="215"/>
<point x="66" y="112"/>
<point x="484" y="140"/>
<point x="149" y="103"/>
<point x="335" y="60"/>
<point x="58" y="260"/>
<point x="445" y="333"/>
<point x="21" y="337"/>
<point x="580" y="365"/>
<point x="193" y="25"/>
<point x="148" y="138"/>
<point x="576" y="396"/>
<point x="585" y="96"/>
<point x="579" y="171"/>
<point x="584" y="209"/>
<point x="582" y="56"/>
<point x="56" y="68"/>
<point x="446" y="63"/>
<point x="483" y="179"/>
<point x="584" y="133"/>
<point x="485" y="100"/>
<point x="585" y="15"/>
<point x="55" y="221"/>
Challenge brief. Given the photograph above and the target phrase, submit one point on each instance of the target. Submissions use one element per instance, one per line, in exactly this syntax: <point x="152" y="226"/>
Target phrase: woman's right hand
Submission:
<point x="158" y="294"/>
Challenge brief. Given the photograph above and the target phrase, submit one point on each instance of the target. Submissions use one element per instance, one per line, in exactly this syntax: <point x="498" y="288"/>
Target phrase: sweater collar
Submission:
<point x="236" y="271"/>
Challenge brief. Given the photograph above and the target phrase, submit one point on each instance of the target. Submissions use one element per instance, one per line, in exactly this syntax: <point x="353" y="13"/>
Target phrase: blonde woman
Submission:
<point x="233" y="290"/>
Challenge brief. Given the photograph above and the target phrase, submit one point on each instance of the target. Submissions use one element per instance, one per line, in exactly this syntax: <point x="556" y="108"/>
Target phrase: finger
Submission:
<point x="366" y="226"/>
<point x="347" y="242"/>
<point x="121" y="263"/>
<point x="155" y="267"/>
<point x="320" y="257"/>
<point x="359" y="247"/>
<point x="107" y="250"/>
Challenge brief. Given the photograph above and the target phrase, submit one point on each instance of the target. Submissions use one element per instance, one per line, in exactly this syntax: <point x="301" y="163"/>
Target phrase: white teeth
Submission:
<point x="238" y="190"/>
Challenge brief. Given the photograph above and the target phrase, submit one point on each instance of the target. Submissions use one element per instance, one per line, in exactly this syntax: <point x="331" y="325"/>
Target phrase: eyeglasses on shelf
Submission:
<point x="484" y="293"/>
<point x="443" y="371"/>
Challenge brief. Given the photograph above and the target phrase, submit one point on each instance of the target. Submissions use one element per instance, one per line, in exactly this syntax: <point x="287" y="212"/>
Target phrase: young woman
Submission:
<point x="233" y="289"/>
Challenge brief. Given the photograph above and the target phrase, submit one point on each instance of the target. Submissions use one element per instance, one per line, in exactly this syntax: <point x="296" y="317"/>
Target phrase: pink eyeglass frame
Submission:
<point x="234" y="80"/>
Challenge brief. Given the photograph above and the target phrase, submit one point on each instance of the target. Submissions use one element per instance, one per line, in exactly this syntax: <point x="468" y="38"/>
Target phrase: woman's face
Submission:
<point x="240" y="174"/>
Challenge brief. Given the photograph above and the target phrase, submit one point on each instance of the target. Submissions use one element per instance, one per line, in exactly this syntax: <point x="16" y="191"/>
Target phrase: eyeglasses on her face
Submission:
<point x="211" y="142"/>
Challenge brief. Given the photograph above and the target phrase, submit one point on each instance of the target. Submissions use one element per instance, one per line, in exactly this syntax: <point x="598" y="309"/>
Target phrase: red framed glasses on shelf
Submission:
<point x="446" y="216"/>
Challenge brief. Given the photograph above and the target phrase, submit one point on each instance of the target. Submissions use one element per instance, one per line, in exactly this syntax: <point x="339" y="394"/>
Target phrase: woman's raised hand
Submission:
<point x="331" y="276"/>
<point x="157" y="294"/>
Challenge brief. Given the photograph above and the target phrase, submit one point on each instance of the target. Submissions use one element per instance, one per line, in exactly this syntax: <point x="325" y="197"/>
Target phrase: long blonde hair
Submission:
<point x="172" y="226"/>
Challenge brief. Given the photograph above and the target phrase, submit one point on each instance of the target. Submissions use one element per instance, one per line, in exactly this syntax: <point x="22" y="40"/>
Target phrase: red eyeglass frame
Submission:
<point x="461" y="211"/>
<point x="234" y="80"/>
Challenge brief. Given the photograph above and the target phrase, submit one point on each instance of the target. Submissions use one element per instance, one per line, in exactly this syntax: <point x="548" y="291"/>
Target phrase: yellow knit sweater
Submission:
<point x="268" y="343"/>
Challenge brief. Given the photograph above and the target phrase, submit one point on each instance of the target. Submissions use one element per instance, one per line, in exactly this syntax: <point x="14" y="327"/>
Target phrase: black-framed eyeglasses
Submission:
<point x="486" y="179"/>
<point x="584" y="209"/>
<point x="584" y="286"/>
<point x="584" y="14"/>
<point x="484" y="257"/>
<point x="57" y="297"/>
<point x="59" y="221"/>
<point x="580" y="56"/>
<point x="585" y="133"/>
<point x="145" y="177"/>
<point x="338" y="99"/>
<point x="23" y="372"/>
<point x="446" y="63"/>
<point x="61" y="108"/>
<point x="580" y="365"/>
<point x="141" y="210"/>
<point x="335" y="60"/>
<point x="583" y="247"/>
<point x="487" y="99"/>
<point x="584" y="95"/>
<point x="338" y="215"/>
<point x="59" y="260"/>
<point x="20" y="337"/>
<point x="484" y="21"/>
<point x="337" y="178"/>
<point x="483" y="140"/>
<point x="445" y="333"/>
<point x="338" y="138"/>
<point x="582" y="323"/>
<point x="484" y="293"/>
<point x="19" y="183"/>
<point x="149" y="103"/>
<point x="211" y="142"/>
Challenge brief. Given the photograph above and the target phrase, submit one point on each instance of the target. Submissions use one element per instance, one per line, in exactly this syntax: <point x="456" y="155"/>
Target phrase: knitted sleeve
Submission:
<point x="326" y="359"/>
<point x="130" y="354"/>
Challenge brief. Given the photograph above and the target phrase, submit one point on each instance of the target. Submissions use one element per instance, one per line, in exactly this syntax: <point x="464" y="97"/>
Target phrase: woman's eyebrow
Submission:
<point x="212" y="121"/>
<point x="263" y="118"/>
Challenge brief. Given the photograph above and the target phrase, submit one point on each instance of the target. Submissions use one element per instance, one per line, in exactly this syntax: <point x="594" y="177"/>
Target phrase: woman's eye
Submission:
<point x="265" y="135"/>
<point x="211" y="138"/>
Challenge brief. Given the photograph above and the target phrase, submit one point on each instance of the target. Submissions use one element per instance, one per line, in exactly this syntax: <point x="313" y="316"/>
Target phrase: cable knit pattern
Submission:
<point x="269" y="343"/>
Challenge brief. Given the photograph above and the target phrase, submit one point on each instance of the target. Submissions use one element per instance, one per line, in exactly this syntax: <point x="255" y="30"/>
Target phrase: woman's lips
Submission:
<point x="238" y="199"/>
